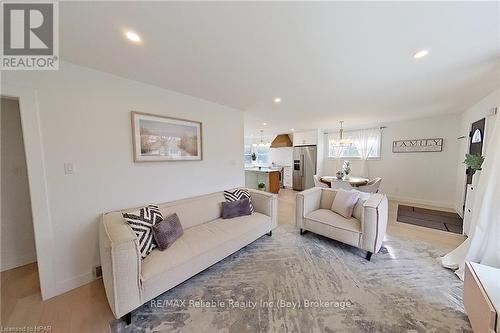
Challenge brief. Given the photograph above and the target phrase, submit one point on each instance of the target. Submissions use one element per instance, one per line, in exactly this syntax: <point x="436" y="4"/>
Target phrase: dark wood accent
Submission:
<point x="302" y="231"/>
<point x="128" y="318"/>
<point x="429" y="218"/>
<point x="274" y="181"/>
<point x="475" y="148"/>
<point x="369" y="256"/>
<point x="354" y="181"/>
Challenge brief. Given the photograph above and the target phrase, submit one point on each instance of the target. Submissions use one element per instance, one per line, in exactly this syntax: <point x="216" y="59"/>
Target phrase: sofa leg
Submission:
<point x="128" y="318"/>
<point x="368" y="255"/>
<point x="270" y="233"/>
<point x="302" y="231"/>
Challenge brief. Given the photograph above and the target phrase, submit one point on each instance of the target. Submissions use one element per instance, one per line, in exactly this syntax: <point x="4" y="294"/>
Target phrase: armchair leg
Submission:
<point x="270" y="233"/>
<point x="368" y="255"/>
<point x="128" y="318"/>
<point x="302" y="231"/>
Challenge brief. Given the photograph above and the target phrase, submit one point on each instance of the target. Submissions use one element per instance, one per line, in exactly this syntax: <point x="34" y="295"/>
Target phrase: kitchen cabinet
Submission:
<point x="305" y="138"/>
<point x="270" y="177"/>
<point x="287" y="177"/>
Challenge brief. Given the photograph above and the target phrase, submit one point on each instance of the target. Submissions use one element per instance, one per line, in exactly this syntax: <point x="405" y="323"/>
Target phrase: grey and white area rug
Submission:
<point x="308" y="283"/>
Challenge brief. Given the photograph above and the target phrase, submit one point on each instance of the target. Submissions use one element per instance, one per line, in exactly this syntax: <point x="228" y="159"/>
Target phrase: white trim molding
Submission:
<point x="35" y="161"/>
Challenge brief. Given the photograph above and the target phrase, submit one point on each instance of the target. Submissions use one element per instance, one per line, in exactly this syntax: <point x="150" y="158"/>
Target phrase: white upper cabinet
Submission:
<point x="305" y="138"/>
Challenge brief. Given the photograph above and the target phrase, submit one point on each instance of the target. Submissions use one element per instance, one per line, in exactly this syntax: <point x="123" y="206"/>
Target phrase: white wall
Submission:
<point x="18" y="243"/>
<point x="281" y="156"/>
<point x="482" y="109"/>
<point x="85" y="120"/>
<point x="427" y="178"/>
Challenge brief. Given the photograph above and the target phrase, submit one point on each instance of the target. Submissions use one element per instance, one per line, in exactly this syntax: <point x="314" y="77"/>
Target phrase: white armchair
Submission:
<point x="365" y="229"/>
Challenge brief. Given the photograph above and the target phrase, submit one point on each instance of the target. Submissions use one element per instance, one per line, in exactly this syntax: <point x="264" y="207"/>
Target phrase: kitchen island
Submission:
<point x="269" y="176"/>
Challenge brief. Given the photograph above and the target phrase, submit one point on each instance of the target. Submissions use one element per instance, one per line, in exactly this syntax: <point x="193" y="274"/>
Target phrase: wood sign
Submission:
<point x="417" y="146"/>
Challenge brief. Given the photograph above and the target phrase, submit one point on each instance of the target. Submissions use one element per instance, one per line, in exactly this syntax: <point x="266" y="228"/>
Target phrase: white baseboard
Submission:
<point x="448" y="205"/>
<point x="17" y="262"/>
<point x="74" y="282"/>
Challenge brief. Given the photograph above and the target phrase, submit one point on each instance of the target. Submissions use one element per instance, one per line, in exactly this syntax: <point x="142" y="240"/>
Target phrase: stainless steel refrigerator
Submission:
<point x="304" y="167"/>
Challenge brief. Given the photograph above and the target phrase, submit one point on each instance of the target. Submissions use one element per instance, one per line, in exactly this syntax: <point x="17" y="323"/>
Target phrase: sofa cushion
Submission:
<point x="238" y="194"/>
<point x="198" y="240"/>
<point x="141" y="222"/>
<point x="196" y="210"/>
<point x="167" y="231"/>
<point x="236" y="208"/>
<point x="327" y="196"/>
<point x="344" y="202"/>
<point x="357" y="212"/>
<point x="326" y="216"/>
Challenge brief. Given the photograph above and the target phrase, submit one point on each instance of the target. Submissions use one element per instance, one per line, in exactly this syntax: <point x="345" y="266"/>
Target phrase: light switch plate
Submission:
<point x="68" y="168"/>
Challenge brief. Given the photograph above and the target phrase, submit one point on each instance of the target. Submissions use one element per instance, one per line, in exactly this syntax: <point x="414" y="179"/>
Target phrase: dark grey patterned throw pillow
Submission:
<point x="167" y="231"/>
<point x="238" y="194"/>
<point x="141" y="222"/>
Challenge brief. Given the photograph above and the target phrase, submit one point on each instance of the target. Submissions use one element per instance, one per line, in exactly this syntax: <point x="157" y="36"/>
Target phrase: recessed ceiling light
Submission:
<point x="265" y="124"/>
<point x="277" y="100"/>
<point x="292" y="129"/>
<point x="133" y="36"/>
<point x="421" y="54"/>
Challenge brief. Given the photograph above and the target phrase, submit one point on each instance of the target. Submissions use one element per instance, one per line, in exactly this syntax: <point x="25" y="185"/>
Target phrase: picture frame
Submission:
<point x="418" y="145"/>
<point x="158" y="138"/>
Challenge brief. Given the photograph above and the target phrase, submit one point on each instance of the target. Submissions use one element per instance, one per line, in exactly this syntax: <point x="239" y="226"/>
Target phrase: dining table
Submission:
<point x="353" y="181"/>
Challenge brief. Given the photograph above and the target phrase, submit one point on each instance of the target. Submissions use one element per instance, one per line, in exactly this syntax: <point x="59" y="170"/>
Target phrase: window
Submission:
<point x="261" y="151"/>
<point x="364" y="144"/>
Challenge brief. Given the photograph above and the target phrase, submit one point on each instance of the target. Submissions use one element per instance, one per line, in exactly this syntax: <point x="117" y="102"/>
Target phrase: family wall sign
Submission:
<point x="418" y="145"/>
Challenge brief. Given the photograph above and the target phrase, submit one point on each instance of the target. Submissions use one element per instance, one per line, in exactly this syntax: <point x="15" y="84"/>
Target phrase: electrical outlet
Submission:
<point x="97" y="272"/>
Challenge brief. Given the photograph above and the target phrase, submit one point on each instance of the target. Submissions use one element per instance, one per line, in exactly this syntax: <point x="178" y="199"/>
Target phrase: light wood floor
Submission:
<point x="86" y="309"/>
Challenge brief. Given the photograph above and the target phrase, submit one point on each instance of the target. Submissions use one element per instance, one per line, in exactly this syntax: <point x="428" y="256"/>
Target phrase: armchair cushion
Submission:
<point x="326" y="216"/>
<point x="344" y="202"/>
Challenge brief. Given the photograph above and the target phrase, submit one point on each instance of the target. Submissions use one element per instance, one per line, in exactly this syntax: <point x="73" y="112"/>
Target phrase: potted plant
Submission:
<point x="254" y="157"/>
<point x="474" y="163"/>
<point x="261" y="186"/>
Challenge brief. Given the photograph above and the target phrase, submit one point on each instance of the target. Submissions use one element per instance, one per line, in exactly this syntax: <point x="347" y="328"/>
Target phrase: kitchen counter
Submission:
<point x="269" y="176"/>
<point x="263" y="169"/>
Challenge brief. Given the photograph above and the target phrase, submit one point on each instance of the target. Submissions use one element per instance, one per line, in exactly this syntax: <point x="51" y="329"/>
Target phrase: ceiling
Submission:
<point x="326" y="60"/>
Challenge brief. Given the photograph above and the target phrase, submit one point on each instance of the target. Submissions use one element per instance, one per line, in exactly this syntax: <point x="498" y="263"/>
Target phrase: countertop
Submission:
<point x="263" y="169"/>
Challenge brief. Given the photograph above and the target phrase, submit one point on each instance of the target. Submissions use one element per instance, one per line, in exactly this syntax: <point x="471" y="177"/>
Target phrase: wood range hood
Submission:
<point x="281" y="141"/>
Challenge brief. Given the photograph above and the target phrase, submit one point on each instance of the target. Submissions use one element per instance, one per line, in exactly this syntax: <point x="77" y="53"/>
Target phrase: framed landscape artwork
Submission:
<point x="159" y="138"/>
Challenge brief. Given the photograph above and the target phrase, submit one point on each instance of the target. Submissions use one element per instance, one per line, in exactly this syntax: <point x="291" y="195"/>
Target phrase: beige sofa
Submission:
<point x="365" y="229"/>
<point x="130" y="281"/>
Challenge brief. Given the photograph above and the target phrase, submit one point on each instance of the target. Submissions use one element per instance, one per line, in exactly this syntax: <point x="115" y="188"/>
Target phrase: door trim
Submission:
<point x="35" y="162"/>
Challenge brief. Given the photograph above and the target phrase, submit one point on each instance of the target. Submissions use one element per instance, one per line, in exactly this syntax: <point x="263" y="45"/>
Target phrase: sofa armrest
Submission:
<point x="306" y="201"/>
<point x="121" y="264"/>
<point x="265" y="203"/>
<point x="374" y="222"/>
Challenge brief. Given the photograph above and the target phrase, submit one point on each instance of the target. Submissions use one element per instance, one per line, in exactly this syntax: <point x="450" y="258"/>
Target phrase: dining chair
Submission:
<point x="318" y="182"/>
<point x="372" y="186"/>
<point x="341" y="184"/>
